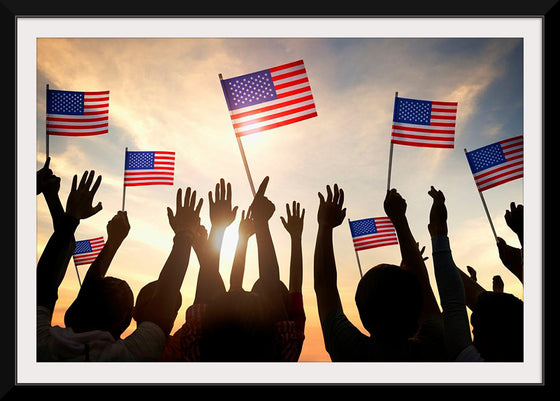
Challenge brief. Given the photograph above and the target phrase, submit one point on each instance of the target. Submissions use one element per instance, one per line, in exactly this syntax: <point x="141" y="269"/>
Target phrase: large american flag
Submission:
<point x="373" y="232"/>
<point x="497" y="163"/>
<point x="149" y="168"/>
<point x="424" y="123"/>
<point x="87" y="250"/>
<point x="269" y="98"/>
<point x="77" y="113"/>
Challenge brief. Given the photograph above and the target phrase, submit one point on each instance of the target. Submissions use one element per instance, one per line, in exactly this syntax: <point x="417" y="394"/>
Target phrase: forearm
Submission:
<point x="452" y="297"/>
<point x="296" y="265"/>
<point x="54" y="260"/>
<point x="412" y="259"/>
<point x="56" y="209"/>
<point x="324" y="273"/>
<point x="472" y="289"/>
<point x="269" y="270"/>
<point x="238" y="267"/>
<point x="100" y="266"/>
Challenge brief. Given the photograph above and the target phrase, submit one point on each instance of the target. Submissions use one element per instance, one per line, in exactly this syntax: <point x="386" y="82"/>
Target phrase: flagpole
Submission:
<point x="485" y="208"/>
<point x="240" y="145"/>
<point x="391" y="156"/>
<point x="46" y="132"/>
<point x="357" y="257"/>
<point x="124" y="186"/>
<point x="78" y="274"/>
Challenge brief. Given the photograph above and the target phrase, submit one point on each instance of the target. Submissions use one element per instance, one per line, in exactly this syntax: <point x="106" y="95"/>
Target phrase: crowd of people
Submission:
<point x="396" y="303"/>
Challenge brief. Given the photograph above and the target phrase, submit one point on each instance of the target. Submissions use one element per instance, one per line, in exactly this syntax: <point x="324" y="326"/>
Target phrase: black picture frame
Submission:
<point x="12" y="10"/>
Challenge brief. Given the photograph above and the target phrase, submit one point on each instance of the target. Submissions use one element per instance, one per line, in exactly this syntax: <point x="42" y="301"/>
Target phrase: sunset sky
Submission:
<point x="165" y="95"/>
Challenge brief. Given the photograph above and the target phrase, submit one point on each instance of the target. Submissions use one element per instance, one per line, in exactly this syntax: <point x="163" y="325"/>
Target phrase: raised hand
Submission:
<point x="472" y="273"/>
<point x="497" y="284"/>
<point x="246" y="225"/>
<point x="221" y="212"/>
<point x="394" y="205"/>
<point x="331" y="213"/>
<point x="118" y="227"/>
<point x="79" y="203"/>
<point x="187" y="214"/>
<point x="47" y="182"/>
<point x="514" y="219"/>
<point x="200" y="240"/>
<point x="262" y="208"/>
<point x="294" y="222"/>
<point x="438" y="213"/>
<point x="511" y="257"/>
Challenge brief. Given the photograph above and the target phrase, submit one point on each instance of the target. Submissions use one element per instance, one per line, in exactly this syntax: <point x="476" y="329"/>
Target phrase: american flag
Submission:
<point x="497" y="163"/>
<point x="77" y="113"/>
<point x="372" y="233"/>
<point x="149" y="168"/>
<point x="424" y="123"/>
<point x="87" y="250"/>
<point x="269" y="98"/>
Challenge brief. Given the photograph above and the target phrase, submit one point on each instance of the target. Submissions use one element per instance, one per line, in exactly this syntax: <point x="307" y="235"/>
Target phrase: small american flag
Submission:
<point x="373" y="232"/>
<point x="87" y="250"/>
<point x="497" y="163"/>
<point x="149" y="168"/>
<point x="269" y="98"/>
<point x="424" y="123"/>
<point x="77" y="113"/>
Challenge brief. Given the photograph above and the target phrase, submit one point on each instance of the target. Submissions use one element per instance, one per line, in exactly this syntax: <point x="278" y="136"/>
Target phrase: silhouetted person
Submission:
<point x="395" y="304"/>
<point x="497" y="322"/>
<point x="472" y="273"/>
<point x="497" y="284"/>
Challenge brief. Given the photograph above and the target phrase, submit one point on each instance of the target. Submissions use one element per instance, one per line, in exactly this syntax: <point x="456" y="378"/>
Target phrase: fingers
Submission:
<point x="178" y="200"/>
<point x="262" y="187"/>
<point x="199" y="206"/>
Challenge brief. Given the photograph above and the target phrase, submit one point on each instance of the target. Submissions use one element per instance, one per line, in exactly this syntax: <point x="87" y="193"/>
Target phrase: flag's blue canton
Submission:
<point x="411" y="111"/>
<point x="139" y="160"/>
<point x="362" y="227"/>
<point x="486" y="157"/>
<point x="250" y="89"/>
<point x="65" y="102"/>
<point x="82" y="247"/>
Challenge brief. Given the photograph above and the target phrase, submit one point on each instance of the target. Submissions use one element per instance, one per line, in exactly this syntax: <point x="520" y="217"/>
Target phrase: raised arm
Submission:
<point x="262" y="210"/>
<point x="117" y="230"/>
<point x="222" y="214"/>
<point x="294" y="225"/>
<point x="162" y="310"/>
<point x="53" y="262"/>
<point x="412" y="260"/>
<point x="449" y="282"/>
<point x="49" y="184"/>
<point x="246" y="230"/>
<point x="330" y="215"/>
<point x="512" y="257"/>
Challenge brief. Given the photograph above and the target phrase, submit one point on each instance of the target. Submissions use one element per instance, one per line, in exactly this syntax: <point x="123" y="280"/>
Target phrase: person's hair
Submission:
<point x="236" y="328"/>
<point x="497" y="321"/>
<point x="102" y="304"/>
<point x="389" y="301"/>
<point x="144" y="298"/>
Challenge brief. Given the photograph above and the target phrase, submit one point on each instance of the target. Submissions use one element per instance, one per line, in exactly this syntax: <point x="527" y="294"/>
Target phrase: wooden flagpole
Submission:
<point x="46" y="133"/>
<point x="391" y="156"/>
<point x="124" y="172"/>
<point x="485" y="207"/>
<point x="240" y="145"/>
<point x="356" y="252"/>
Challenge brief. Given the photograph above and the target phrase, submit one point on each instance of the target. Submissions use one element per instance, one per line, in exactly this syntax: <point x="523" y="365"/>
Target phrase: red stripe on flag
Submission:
<point x="279" y="124"/>
<point x="77" y="133"/>
<point x="284" y="66"/>
<point x="274" y="116"/>
<point x="422" y="144"/>
<point x="272" y="107"/>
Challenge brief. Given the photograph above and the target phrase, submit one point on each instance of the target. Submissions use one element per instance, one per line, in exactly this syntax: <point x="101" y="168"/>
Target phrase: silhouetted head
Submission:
<point x="102" y="304"/>
<point x="236" y="328"/>
<point x="145" y="296"/>
<point x="497" y="321"/>
<point x="389" y="300"/>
